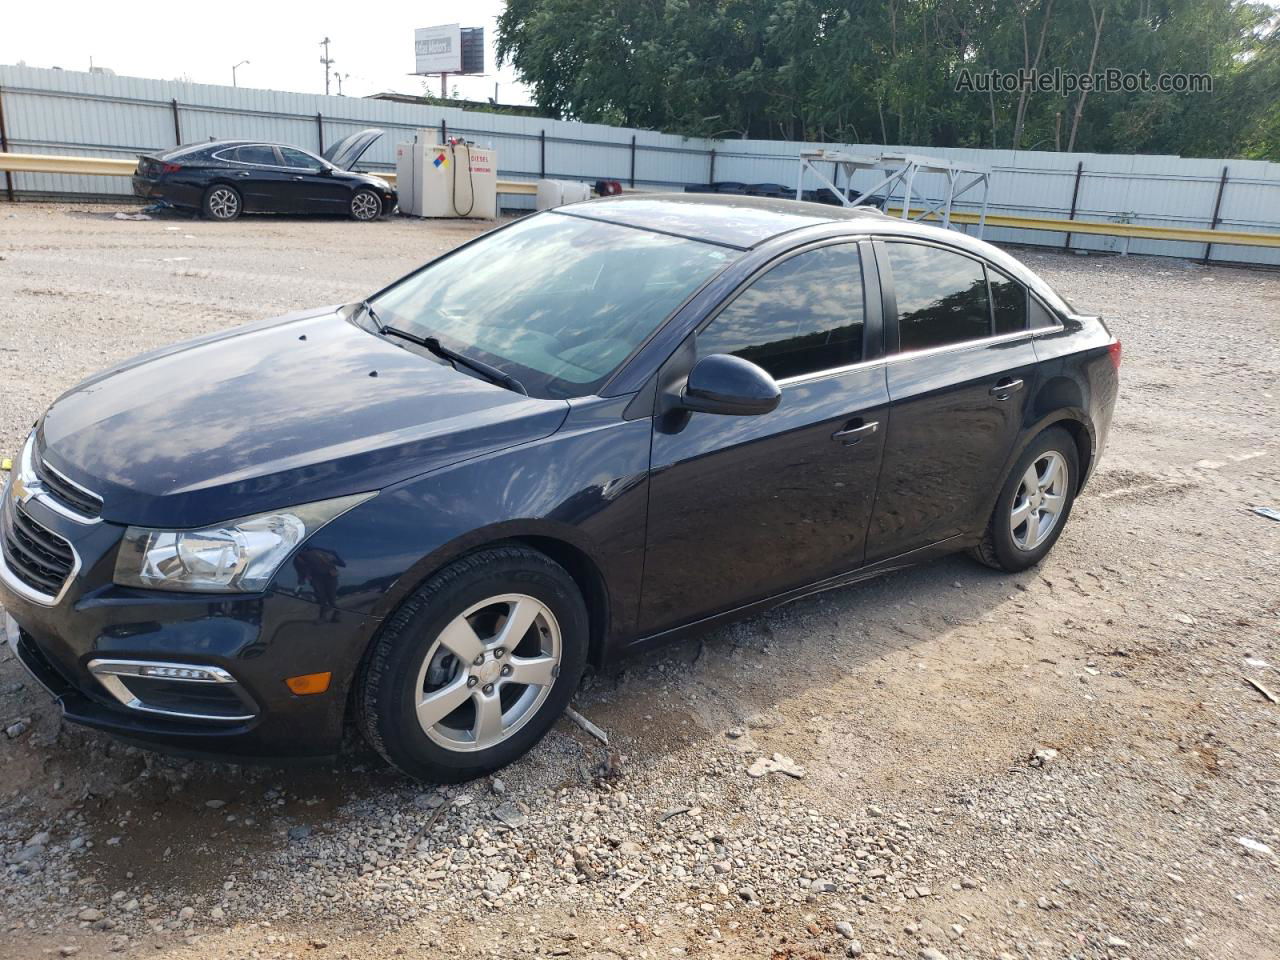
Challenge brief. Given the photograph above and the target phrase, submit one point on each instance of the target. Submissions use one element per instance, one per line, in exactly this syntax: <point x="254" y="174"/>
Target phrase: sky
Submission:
<point x="372" y="47"/>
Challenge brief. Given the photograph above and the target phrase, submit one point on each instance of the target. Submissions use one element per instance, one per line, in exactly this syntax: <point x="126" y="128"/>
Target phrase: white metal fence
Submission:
<point x="65" y="112"/>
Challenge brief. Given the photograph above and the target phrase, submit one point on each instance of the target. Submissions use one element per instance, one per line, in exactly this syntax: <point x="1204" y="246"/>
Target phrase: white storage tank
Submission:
<point x="556" y="193"/>
<point x="446" y="180"/>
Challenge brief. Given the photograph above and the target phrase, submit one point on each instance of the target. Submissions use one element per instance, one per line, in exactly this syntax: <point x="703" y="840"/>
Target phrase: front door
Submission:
<point x="959" y="375"/>
<point x="742" y="508"/>
<point x="309" y="188"/>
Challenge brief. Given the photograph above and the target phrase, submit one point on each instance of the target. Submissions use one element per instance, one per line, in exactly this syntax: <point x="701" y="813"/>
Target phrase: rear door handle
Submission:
<point x="852" y="434"/>
<point x="1006" y="388"/>
<point x="243" y="173"/>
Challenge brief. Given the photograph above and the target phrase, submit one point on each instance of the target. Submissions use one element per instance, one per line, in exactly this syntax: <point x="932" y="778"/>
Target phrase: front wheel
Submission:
<point x="1034" y="504"/>
<point x="365" y="206"/>
<point x="475" y="666"/>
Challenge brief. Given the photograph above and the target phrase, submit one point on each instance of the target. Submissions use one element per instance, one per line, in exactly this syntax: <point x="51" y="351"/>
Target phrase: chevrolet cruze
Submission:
<point x="590" y="431"/>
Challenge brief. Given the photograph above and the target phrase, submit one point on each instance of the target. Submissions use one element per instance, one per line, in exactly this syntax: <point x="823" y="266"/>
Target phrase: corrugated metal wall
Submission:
<point x="65" y="112"/>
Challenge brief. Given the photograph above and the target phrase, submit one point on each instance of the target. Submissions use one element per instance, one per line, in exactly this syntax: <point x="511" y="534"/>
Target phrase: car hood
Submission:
<point x="347" y="152"/>
<point x="303" y="408"/>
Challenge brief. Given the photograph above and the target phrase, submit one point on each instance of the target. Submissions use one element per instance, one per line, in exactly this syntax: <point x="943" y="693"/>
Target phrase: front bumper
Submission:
<point x="257" y="640"/>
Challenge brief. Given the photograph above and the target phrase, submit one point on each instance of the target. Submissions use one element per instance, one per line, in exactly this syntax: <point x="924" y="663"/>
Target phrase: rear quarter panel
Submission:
<point x="1078" y="381"/>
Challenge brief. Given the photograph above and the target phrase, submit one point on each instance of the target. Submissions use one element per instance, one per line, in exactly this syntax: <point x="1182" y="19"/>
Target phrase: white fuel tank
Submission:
<point x="446" y="180"/>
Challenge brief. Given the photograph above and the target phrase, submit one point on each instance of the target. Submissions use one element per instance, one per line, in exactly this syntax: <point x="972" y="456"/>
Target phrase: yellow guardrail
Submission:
<point x="1138" y="231"/>
<point x="112" y="167"/>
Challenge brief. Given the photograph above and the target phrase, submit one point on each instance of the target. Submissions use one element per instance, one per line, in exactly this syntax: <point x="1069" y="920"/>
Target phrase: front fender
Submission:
<point x="585" y="486"/>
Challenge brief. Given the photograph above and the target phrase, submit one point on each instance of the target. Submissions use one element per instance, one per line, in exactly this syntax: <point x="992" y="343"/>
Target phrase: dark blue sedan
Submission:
<point x="592" y="430"/>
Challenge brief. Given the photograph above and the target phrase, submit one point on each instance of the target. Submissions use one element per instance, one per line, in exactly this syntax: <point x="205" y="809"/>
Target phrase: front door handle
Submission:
<point x="296" y="178"/>
<point x="854" y="431"/>
<point x="1006" y="388"/>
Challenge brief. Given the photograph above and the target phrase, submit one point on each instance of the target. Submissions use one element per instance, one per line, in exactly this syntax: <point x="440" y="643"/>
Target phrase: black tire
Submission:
<point x="365" y="206"/>
<point x="999" y="547"/>
<point x="222" y="202"/>
<point x="386" y="691"/>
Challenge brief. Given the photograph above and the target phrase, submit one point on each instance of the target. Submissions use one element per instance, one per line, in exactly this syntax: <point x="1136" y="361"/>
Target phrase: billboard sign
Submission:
<point x="438" y="49"/>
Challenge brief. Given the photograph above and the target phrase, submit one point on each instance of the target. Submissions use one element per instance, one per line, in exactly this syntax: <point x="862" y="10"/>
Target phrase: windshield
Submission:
<point x="556" y="301"/>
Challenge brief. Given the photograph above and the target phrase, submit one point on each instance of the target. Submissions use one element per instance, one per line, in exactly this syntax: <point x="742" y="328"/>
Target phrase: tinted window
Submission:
<point x="1010" y="300"/>
<point x="256" y="154"/>
<point x="1041" y="316"/>
<point x="942" y="296"/>
<point x="556" y="301"/>
<point x="296" y="158"/>
<point x="803" y="316"/>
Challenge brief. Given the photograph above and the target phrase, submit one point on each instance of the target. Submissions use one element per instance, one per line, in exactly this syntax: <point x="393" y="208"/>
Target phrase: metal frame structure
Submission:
<point x="902" y="169"/>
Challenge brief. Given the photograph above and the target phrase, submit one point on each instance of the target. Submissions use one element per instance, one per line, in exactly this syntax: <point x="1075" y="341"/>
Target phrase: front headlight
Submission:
<point x="239" y="556"/>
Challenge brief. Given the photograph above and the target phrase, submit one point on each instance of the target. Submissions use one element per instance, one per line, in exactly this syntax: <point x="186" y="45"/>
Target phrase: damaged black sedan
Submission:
<point x="225" y="178"/>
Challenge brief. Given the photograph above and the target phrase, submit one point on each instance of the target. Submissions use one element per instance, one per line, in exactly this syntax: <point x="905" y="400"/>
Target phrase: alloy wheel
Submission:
<point x="488" y="672"/>
<point x="1038" y="504"/>
<point x="224" y="204"/>
<point x="365" y="206"/>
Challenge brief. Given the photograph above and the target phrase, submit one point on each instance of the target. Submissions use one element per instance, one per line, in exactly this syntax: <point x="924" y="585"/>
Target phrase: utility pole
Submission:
<point x="327" y="64"/>
<point x="339" y="77"/>
<point x="234" y="69"/>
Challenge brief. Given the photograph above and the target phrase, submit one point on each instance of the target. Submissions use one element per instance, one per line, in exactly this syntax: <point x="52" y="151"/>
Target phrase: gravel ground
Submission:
<point x="1068" y="762"/>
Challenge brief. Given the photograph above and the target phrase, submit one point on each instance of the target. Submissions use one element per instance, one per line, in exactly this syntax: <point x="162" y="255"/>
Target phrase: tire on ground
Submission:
<point x="222" y="202"/>
<point x="365" y="205"/>
<point x="998" y="549"/>
<point x="385" y="689"/>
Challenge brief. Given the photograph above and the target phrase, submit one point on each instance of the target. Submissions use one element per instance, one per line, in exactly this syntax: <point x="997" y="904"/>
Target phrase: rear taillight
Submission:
<point x="1115" y="351"/>
<point x="170" y="167"/>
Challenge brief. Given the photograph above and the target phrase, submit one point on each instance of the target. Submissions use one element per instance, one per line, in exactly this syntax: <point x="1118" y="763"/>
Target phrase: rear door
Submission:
<point x="741" y="508"/>
<point x="959" y="375"/>
<point x="258" y="175"/>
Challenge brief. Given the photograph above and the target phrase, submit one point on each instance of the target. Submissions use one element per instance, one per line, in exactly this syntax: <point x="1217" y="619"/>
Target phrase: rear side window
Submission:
<point x="803" y="316"/>
<point x="1041" y="316"/>
<point x="942" y="297"/>
<point x="258" y="153"/>
<point x="1010" y="301"/>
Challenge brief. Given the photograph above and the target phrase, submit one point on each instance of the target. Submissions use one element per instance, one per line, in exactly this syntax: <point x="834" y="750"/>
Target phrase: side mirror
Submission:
<point x="723" y="384"/>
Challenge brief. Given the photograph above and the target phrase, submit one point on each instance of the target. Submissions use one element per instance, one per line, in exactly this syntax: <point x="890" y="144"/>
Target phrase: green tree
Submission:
<point x="885" y="70"/>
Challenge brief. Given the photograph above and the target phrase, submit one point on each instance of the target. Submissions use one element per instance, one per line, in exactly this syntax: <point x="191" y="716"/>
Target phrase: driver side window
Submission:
<point x="298" y="160"/>
<point x="804" y="316"/>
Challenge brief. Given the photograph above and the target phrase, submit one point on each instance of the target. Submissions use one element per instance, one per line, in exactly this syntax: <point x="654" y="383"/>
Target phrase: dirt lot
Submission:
<point x="921" y="827"/>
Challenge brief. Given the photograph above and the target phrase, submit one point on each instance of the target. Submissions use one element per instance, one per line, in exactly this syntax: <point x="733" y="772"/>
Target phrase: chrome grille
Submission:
<point x="35" y="555"/>
<point x="70" y="495"/>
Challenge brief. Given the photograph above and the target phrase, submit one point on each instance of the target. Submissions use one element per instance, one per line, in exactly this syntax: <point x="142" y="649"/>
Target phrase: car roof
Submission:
<point x="729" y="220"/>
<point x="744" y="222"/>
<point x="215" y="145"/>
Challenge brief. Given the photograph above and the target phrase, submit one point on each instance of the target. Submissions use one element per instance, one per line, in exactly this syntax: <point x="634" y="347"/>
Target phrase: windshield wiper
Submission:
<point x="492" y="374"/>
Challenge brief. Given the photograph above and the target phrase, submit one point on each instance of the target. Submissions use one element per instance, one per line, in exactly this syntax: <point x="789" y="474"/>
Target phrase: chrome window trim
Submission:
<point x="10" y="579"/>
<point x="108" y="673"/>
<point x="930" y="351"/>
<point x="265" y="166"/>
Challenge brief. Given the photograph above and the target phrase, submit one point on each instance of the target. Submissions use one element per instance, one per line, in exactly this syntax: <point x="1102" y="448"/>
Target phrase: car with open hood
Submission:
<point x="589" y="431"/>
<point x="225" y="178"/>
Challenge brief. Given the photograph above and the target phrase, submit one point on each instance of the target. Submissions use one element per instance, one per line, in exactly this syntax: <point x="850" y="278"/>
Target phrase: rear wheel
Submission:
<point x="222" y="202"/>
<point x="476" y="666"/>
<point x="1034" y="504"/>
<point x="365" y="205"/>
